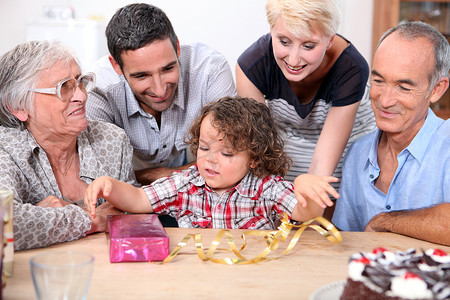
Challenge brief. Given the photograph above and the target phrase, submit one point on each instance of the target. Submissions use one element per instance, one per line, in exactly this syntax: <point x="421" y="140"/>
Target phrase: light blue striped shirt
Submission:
<point x="421" y="180"/>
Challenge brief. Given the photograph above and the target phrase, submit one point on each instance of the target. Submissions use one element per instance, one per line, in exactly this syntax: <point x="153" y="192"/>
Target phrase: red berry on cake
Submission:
<point x="378" y="250"/>
<point x="363" y="260"/>
<point x="410" y="275"/>
<point x="439" y="252"/>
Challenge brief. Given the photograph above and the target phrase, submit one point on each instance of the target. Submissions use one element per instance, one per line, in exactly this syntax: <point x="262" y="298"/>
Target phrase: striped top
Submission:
<point x="299" y="124"/>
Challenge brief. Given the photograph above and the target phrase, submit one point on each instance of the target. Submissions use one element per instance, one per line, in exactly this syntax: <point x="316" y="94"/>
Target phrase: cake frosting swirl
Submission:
<point x="409" y="274"/>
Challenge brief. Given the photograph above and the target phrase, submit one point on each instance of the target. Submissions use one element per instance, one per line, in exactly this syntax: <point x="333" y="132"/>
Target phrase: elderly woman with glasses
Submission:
<point x="49" y="151"/>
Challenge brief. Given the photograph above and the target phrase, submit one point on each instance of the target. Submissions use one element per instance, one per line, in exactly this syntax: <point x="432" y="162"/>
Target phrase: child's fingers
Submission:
<point x="321" y="197"/>
<point x="101" y="187"/>
<point x="314" y="196"/>
<point x="329" y="190"/>
<point x="90" y="199"/>
<point x="107" y="188"/>
<point x="301" y="200"/>
<point x="330" y="179"/>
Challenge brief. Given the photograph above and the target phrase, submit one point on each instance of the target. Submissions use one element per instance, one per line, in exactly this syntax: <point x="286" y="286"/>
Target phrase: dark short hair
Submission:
<point x="135" y="26"/>
<point x="246" y="125"/>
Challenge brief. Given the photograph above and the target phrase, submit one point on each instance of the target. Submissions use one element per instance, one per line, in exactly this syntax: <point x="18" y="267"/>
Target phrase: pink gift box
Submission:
<point x="139" y="237"/>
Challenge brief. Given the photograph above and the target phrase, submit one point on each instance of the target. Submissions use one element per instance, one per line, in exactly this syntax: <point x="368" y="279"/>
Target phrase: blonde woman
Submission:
<point x="315" y="83"/>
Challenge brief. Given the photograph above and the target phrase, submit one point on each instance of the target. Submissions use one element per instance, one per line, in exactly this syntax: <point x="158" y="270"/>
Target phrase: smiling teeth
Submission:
<point x="294" y="68"/>
<point x="77" y="111"/>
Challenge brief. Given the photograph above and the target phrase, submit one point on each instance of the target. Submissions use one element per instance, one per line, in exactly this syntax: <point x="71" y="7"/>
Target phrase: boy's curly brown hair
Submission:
<point x="247" y="125"/>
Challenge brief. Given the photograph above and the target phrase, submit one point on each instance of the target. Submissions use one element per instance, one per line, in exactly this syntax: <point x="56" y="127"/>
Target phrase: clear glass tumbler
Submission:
<point x="62" y="275"/>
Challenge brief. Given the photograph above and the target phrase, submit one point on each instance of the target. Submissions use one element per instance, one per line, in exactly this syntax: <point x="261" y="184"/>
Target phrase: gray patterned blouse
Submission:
<point x="103" y="148"/>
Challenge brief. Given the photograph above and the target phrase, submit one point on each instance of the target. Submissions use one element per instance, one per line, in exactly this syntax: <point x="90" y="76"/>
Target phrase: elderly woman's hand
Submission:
<point x="52" y="201"/>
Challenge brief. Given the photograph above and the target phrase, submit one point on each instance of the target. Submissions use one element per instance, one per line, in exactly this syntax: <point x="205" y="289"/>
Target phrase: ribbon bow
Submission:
<point x="272" y="239"/>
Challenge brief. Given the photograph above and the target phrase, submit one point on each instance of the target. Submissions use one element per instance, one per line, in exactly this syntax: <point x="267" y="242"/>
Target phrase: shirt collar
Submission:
<point x="133" y="106"/>
<point x="416" y="147"/>
<point x="247" y="187"/>
<point x="424" y="136"/>
<point x="32" y="141"/>
<point x="372" y="160"/>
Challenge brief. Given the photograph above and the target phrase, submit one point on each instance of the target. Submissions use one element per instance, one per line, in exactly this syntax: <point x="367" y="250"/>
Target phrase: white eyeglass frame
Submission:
<point x="57" y="90"/>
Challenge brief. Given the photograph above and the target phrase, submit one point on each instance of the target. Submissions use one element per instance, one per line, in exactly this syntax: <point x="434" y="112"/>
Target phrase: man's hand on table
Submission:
<point x="147" y="176"/>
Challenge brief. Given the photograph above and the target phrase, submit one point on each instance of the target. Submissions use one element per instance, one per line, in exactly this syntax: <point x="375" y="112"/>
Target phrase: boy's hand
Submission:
<point x="102" y="213"/>
<point x="99" y="188"/>
<point x="316" y="188"/>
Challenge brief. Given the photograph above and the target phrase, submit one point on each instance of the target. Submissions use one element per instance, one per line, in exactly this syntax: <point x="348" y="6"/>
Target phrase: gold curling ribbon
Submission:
<point x="272" y="238"/>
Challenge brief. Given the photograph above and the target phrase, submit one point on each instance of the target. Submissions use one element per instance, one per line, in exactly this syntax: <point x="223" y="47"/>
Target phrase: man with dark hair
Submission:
<point x="153" y="88"/>
<point x="397" y="178"/>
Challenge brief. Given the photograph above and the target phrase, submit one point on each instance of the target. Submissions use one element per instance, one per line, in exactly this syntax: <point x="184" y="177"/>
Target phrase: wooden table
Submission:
<point x="313" y="263"/>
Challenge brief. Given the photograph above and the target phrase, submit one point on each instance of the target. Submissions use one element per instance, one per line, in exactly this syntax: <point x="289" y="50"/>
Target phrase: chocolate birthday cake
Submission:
<point x="382" y="274"/>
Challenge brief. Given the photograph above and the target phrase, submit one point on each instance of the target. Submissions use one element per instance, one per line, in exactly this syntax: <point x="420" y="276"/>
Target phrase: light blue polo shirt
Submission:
<point x="422" y="178"/>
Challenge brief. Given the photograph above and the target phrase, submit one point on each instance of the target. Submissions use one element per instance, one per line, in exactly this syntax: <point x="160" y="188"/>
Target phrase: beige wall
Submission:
<point x="229" y="26"/>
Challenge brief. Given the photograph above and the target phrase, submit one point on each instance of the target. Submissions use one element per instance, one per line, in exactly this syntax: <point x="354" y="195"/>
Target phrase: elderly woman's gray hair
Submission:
<point x="20" y="69"/>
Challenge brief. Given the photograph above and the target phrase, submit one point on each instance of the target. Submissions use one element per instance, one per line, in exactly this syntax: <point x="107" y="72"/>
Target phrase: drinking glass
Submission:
<point x="6" y="204"/>
<point x="63" y="275"/>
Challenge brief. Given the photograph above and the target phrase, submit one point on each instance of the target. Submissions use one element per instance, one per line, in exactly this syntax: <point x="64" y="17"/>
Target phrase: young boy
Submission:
<point x="236" y="182"/>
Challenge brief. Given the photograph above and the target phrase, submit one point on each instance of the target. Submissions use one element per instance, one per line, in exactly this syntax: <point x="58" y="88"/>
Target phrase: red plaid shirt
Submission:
<point x="254" y="203"/>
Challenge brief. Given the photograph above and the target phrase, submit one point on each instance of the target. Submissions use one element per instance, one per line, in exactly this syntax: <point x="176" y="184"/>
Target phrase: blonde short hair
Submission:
<point x="305" y="17"/>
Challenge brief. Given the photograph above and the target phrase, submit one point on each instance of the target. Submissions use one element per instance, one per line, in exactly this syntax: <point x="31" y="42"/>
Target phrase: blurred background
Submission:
<point x="228" y="26"/>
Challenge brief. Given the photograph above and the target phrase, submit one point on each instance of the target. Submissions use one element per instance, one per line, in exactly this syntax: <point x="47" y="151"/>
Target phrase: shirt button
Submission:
<point x="161" y="161"/>
<point x="219" y="206"/>
<point x="388" y="207"/>
<point x="164" y="146"/>
<point x="371" y="176"/>
<point x="252" y="225"/>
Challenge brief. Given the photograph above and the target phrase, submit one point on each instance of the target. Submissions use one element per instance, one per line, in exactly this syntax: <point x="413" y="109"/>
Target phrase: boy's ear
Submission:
<point x="115" y="65"/>
<point x="252" y="165"/>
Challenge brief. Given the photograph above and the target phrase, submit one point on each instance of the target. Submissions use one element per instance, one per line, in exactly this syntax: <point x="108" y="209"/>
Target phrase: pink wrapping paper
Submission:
<point x="139" y="237"/>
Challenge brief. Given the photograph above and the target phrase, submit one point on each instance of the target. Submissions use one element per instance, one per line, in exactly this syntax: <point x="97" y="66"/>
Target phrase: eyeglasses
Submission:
<point x="65" y="89"/>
